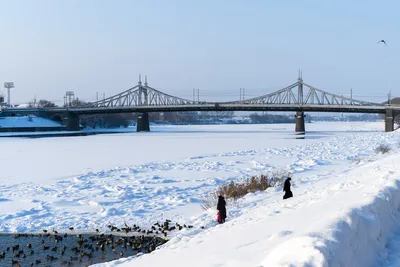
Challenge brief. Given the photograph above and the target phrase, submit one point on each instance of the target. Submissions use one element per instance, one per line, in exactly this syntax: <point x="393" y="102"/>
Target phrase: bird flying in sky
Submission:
<point x="382" y="41"/>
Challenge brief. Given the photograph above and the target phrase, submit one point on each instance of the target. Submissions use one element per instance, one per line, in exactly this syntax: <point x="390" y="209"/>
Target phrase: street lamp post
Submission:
<point x="8" y="85"/>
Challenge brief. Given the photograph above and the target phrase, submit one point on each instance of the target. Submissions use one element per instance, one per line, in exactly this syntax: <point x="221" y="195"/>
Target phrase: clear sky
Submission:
<point x="50" y="46"/>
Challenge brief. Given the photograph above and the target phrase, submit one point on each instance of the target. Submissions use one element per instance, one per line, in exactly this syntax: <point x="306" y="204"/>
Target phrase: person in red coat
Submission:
<point x="221" y="207"/>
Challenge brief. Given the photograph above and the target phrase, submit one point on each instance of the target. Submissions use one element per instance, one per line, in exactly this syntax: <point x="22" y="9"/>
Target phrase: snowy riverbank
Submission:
<point x="27" y="121"/>
<point x="89" y="182"/>
<point x="343" y="219"/>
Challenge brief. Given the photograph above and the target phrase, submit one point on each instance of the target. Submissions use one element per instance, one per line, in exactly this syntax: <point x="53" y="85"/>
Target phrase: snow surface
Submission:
<point x="344" y="208"/>
<point x="344" y="219"/>
<point x="27" y="121"/>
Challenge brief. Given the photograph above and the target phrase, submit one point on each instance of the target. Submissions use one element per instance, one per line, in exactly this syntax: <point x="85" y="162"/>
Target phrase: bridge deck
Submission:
<point x="214" y="107"/>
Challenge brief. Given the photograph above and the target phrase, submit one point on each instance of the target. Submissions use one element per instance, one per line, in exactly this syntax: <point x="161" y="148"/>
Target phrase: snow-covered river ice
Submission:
<point x="90" y="181"/>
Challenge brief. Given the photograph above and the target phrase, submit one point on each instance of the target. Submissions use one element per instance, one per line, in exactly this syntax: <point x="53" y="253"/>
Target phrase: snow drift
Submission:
<point x="359" y="238"/>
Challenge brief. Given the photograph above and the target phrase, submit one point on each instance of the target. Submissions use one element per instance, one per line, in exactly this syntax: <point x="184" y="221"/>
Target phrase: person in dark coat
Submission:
<point x="221" y="207"/>
<point x="286" y="189"/>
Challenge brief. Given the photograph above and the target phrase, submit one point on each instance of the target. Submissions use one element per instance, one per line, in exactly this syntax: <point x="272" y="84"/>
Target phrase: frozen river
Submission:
<point x="49" y="159"/>
<point x="88" y="182"/>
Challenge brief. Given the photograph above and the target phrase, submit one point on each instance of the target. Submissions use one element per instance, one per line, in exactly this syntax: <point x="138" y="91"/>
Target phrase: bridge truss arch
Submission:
<point x="296" y="94"/>
<point x="142" y="95"/>
<point x="300" y="93"/>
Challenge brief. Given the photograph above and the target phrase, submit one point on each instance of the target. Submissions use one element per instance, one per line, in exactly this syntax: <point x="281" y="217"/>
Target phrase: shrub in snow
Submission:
<point x="234" y="190"/>
<point x="356" y="160"/>
<point x="210" y="201"/>
<point x="383" y="149"/>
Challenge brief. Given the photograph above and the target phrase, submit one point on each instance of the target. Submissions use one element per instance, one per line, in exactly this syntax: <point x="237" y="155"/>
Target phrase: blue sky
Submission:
<point x="50" y="46"/>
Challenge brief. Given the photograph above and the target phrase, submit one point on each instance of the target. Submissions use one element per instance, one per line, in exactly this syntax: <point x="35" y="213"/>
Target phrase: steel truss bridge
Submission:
<point x="298" y="97"/>
<point x="295" y="96"/>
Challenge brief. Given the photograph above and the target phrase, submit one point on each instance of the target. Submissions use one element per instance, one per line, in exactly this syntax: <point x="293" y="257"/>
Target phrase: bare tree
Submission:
<point x="76" y="103"/>
<point x="42" y="103"/>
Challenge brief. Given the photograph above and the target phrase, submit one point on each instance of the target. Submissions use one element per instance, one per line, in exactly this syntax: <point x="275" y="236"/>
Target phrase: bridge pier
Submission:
<point x="142" y="124"/>
<point x="300" y="126"/>
<point x="73" y="122"/>
<point x="389" y="120"/>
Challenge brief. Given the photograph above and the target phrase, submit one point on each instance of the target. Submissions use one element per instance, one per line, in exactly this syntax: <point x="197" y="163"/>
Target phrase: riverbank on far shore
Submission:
<point x="84" y="132"/>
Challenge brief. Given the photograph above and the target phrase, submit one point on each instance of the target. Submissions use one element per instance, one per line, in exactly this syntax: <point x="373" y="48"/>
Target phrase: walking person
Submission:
<point x="286" y="188"/>
<point x="221" y="207"/>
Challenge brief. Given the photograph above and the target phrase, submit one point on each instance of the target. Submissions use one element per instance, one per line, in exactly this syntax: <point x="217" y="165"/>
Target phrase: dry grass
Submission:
<point x="234" y="190"/>
<point x="210" y="201"/>
<point x="383" y="149"/>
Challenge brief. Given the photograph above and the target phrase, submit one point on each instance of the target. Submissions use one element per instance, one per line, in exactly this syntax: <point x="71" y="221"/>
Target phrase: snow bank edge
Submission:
<point x="357" y="239"/>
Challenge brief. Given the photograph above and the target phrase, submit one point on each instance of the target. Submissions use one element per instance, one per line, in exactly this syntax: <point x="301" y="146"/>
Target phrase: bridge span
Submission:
<point x="298" y="97"/>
